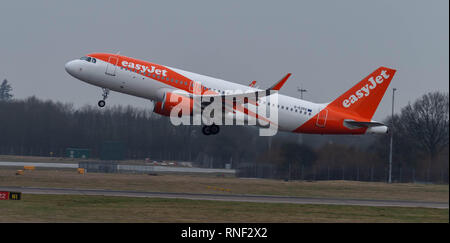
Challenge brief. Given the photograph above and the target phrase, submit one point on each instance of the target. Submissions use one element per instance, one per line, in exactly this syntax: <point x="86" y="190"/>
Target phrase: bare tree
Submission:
<point x="5" y="90"/>
<point x="427" y="123"/>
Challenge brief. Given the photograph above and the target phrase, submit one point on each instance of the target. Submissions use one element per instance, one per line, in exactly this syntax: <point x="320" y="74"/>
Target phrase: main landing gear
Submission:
<point x="102" y="102"/>
<point x="211" y="130"/>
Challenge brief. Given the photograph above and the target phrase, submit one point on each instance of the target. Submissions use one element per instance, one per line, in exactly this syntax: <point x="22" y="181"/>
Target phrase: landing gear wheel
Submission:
<point x="210" y="130"/>
<point x="101" y="103"/>
<point x="206" y="130"/>
<point x="105" y="94"/>
<point x="214" y="129"/>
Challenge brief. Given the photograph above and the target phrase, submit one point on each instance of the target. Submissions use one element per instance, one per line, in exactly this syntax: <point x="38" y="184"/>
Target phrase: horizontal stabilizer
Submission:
<point x="362" y="124"/>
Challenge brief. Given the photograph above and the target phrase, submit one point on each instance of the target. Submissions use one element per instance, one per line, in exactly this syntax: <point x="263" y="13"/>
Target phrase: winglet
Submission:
<point x="252" y="84"/>
<point x="280" y="83"/>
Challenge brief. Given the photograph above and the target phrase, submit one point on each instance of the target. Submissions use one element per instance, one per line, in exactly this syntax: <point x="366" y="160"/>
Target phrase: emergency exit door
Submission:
<point x="111" y="66"/>
<point x="322" y="118"/>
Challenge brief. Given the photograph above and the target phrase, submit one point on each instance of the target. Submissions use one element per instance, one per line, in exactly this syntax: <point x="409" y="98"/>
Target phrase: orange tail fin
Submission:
<point x="363" y="98"/>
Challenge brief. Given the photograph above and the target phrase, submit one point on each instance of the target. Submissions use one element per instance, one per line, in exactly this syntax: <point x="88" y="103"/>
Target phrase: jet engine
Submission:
<point x="174" y="105"/>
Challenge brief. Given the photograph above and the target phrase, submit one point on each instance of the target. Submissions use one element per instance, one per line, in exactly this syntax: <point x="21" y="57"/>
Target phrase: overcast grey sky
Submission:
<point x="328" y="45"/>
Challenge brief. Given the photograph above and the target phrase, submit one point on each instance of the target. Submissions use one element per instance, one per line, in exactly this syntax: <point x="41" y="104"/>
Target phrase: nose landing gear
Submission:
<point x="211" y="130"/>
<point x="102" y="103"/>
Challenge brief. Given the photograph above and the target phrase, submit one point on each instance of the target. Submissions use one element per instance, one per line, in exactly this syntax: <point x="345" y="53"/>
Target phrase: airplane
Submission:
<point x="350" y="113"/>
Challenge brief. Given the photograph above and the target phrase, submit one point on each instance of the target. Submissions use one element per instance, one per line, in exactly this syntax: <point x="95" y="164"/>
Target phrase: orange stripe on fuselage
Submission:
<point x="334" y="124"/>
<point x="170" y="74"/>
<point x="166" y="75"/>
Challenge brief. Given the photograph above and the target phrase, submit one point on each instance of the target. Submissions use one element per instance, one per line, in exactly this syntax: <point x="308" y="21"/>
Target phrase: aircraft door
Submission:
<point x="111" y="66"/>
<point x="322" y="118"/>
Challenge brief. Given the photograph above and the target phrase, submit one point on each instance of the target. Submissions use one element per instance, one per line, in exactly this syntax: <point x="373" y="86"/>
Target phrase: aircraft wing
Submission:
<point x="280" y="83"/>
<point x="235" y="101"/>
<point x="276" y="86"/>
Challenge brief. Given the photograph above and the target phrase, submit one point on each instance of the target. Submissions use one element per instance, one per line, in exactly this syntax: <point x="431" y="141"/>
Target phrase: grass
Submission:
<point x="74" y="208"/>
<point x="205" y="184"/>
<point x="70" y="208"/>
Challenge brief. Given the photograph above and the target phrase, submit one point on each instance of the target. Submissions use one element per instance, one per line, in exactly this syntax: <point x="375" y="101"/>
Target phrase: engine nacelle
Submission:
<point x="158" y="109"/>
<point x="182" y="104"/>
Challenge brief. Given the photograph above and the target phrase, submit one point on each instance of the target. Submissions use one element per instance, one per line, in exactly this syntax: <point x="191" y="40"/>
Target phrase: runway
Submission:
<point x="227" y="197"/>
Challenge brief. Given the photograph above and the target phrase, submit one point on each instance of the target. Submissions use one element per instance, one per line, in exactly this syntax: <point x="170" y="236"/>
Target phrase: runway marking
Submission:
<point x="230" y="197"/>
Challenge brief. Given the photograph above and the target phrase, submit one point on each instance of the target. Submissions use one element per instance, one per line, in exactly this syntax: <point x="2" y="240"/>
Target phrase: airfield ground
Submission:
<point x="75" y="208"/>
<point x="68" y="208"/>
<point x="212" y="183"/>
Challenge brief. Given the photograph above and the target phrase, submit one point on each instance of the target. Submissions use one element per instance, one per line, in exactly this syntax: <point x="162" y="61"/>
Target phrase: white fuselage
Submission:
<point x="350" y="113"/>
<point x="292" y="112"/>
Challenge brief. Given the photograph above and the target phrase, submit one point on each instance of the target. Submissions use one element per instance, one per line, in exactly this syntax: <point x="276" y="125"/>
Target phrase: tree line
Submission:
<point x="38" y="127"/>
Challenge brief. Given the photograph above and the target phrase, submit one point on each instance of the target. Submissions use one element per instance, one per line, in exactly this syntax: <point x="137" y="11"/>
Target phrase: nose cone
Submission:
<point x="70" y="67"/>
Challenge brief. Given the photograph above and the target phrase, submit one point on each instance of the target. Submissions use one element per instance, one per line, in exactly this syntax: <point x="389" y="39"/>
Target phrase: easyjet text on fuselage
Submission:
<point x="143" y="68"/>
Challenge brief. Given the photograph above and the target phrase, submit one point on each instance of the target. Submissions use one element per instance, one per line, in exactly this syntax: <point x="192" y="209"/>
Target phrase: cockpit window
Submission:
<point x="89" y="59"/>
<point x="86" y="58"/>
